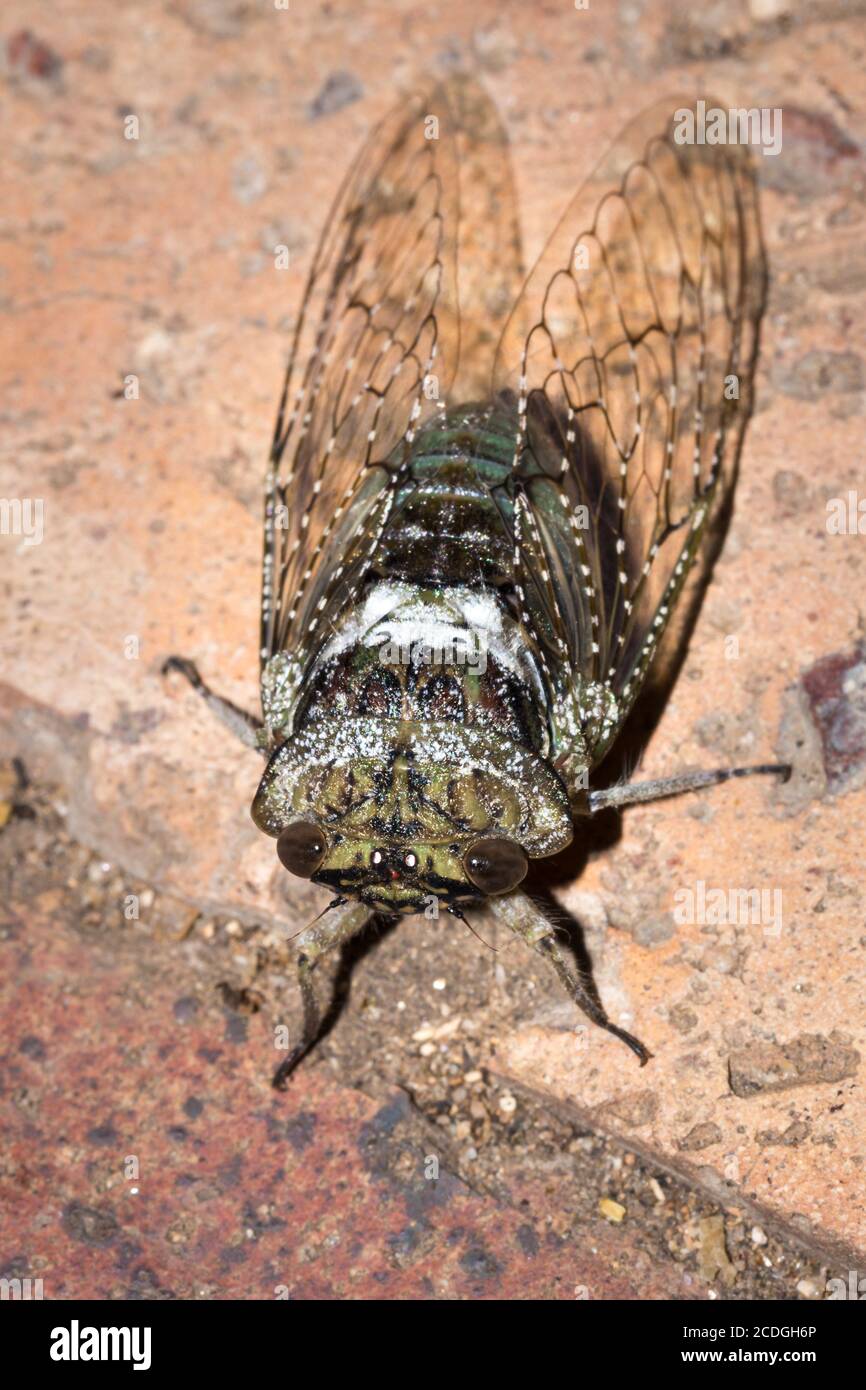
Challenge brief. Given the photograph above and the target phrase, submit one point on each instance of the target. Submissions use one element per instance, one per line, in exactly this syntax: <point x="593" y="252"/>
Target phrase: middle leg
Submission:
<point x="630" y="793"/>
<point x="243" y="725"/>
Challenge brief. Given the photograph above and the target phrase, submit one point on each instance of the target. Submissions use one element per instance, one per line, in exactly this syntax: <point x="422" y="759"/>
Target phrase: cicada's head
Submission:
<point x="406" y="876"/>
<point x="404" y="821"/>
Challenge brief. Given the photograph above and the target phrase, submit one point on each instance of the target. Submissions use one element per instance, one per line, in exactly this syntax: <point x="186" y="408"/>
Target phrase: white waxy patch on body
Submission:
<point x="461" y="620"/>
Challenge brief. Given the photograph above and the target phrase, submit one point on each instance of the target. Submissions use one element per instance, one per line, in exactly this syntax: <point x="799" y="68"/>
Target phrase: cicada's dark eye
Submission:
<point x="495" y="865"/>
<point x="301" y="847"/>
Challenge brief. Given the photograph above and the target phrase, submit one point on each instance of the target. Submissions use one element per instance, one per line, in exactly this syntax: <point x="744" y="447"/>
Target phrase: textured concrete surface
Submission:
<point x="152" y="258"/>
<point x="145" y="1155"/>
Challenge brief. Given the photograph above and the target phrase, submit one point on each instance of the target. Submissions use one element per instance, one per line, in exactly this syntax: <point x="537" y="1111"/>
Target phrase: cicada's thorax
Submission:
<point x="424" y="720"/>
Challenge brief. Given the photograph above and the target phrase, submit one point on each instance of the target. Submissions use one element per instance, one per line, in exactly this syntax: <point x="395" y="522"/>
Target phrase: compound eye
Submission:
<point x="301" y="848"/>
<point x="495" y="865"/>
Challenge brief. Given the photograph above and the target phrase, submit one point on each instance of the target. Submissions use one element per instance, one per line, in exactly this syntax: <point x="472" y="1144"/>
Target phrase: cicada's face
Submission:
<point x="406" y="876"/>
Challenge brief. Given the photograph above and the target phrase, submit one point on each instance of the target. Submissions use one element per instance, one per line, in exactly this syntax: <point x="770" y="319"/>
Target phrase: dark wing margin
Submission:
<point x="633" y="387"/>
<point x="377" y="322"/>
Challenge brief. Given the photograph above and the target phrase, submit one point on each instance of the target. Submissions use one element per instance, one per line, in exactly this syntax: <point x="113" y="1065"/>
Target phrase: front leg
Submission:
<point x="520" y="913"/>
<point x="337" y="924"/>
<point x="244" y="726"/>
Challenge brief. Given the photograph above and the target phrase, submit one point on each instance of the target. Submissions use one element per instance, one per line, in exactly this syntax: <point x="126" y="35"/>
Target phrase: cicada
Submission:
<point x="484" y="498"/>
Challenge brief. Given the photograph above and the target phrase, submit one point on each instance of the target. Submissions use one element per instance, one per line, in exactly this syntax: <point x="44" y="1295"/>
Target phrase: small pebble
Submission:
<point x="611" y="1210"/>
<point x="439" y="984"/>
<point x="758" y="1236"/>
<point x="507" y="1103"/>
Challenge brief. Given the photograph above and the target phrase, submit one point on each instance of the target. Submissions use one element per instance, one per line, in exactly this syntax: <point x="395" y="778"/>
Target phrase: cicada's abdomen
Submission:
<point x="445" y="526"/>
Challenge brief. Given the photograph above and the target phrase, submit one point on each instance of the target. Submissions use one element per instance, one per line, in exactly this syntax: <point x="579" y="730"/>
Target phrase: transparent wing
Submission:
<point x="633" y="386"/>
<point x="377" y="346"/>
